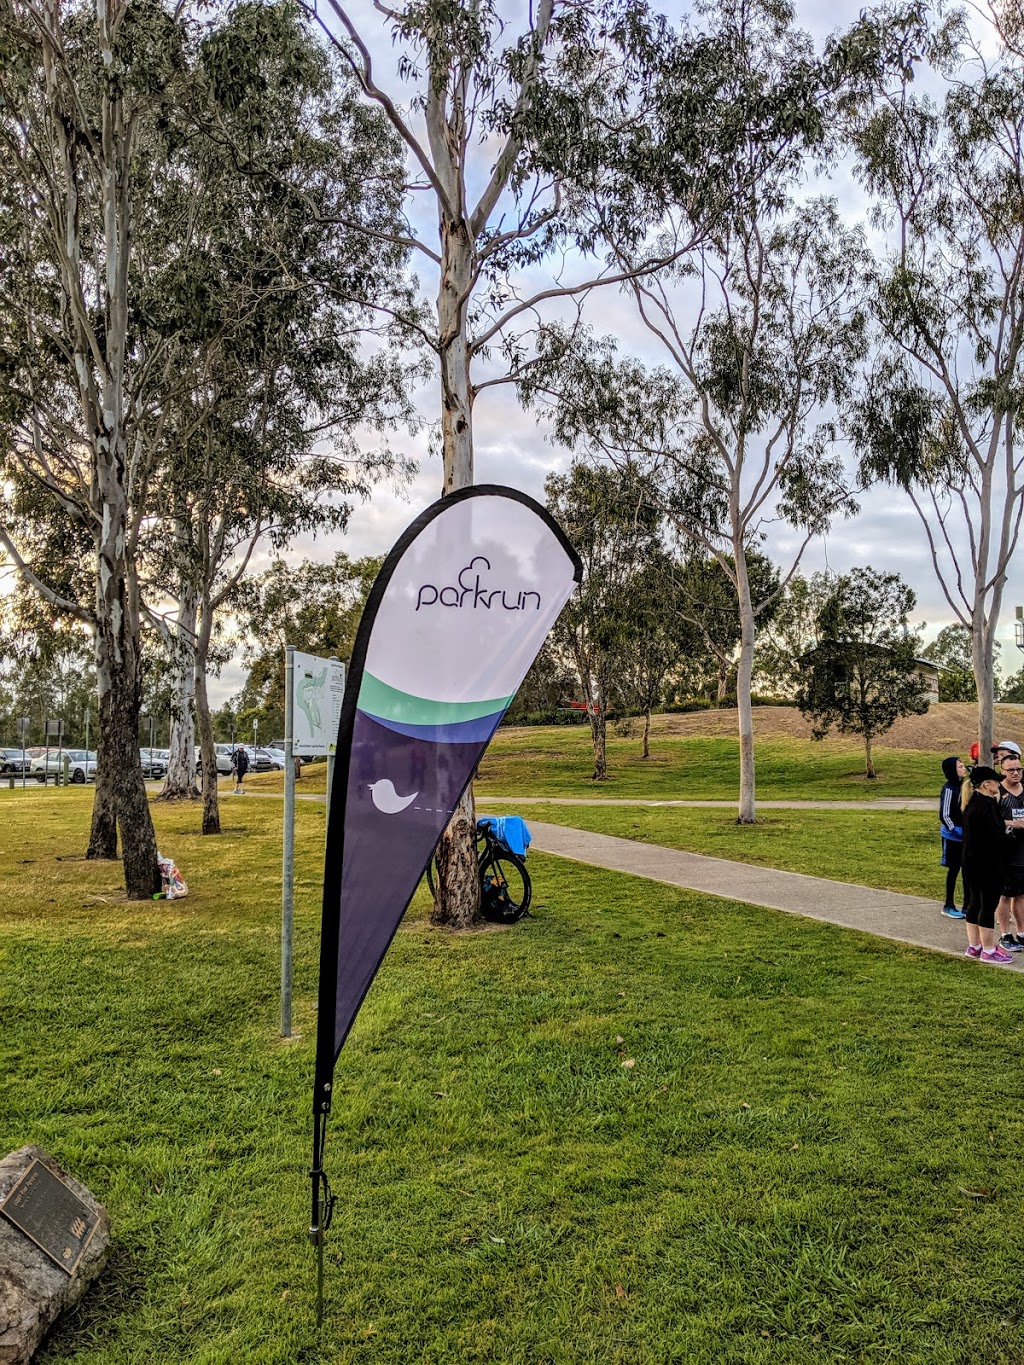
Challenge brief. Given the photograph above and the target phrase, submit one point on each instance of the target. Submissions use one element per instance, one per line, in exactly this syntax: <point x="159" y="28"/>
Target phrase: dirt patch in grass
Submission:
<point x="951" y="726"/>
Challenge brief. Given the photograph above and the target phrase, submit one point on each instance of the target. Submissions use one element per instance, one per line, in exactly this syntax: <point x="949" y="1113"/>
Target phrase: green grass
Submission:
<point x="895" y="850"/>
<point x="814" y="1158"/>
<point x="558" y="761"/>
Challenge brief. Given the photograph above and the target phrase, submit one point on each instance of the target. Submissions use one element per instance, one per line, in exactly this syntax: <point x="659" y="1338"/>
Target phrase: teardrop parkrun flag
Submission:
<point x="455" y="618"/>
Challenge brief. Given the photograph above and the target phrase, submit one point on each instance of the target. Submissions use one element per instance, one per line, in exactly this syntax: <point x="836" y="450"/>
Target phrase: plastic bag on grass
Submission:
<point x="172" y="884"/>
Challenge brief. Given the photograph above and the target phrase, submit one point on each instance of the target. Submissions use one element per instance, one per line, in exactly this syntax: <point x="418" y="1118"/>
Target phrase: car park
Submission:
<point x="276" y="756"/>
<point x="223" y="754"/>
<point x="259" y="760"/>
<point x="13" y="761"/>
<point x="152" y="766"/>
<point x="277" y="746"/>
<point x="81" y="765"/>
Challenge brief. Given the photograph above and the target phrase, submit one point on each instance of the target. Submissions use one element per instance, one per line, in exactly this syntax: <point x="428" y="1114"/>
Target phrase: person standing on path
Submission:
<point x="951" y="828"/>
<point x="1012" y="900"/>
<point x="986" y="850"/>
<point x="239" y="766"/>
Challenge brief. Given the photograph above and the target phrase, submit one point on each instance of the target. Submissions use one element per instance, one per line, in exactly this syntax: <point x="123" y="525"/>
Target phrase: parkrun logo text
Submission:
<point x="472" y="594"/>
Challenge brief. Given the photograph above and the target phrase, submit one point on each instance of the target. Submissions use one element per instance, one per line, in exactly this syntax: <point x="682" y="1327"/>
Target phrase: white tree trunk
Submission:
<point x="180" y="783"/>
<point x="747" y="813"/>
<point x="458" y="265"/>
<point x="211" y="801"/>
<point x="457" y="897"/>
<point x="982" y="652"/>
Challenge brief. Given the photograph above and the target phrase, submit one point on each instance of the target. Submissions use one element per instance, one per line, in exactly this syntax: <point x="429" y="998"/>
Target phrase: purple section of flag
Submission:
<point x="386" y="850"/>
<point x="477" y="731"/>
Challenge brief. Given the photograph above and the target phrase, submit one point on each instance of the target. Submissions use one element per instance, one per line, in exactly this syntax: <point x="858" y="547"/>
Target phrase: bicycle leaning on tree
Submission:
<point x="505" y="885"/>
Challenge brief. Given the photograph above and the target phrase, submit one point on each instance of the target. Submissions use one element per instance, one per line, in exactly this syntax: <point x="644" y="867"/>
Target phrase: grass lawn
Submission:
<point x="597" y="1138"/>
<point x="558" y="761"/>
<point x="895" y="850"/>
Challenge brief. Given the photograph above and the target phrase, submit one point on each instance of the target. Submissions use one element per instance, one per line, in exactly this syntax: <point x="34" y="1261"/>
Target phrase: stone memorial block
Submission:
<point x="54" y="1241"/>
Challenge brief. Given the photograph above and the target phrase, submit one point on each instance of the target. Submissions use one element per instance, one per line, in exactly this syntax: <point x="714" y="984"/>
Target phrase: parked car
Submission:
<point x="278" y="746"/>
<point x="223" y="753"/>
<point x="81" y="765"/>
<point x="12" y="761"/>
<point x="276" y="756"/>
<point x="259" y="760"/>
<point x="152" y="766"/>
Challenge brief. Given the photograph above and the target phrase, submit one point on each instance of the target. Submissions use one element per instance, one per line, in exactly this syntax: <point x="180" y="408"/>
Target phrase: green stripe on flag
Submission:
<point x="377" y="698"/>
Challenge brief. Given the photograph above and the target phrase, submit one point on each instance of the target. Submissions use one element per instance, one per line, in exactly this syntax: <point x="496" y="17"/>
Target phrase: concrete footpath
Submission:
<point x="873" y="803"/>
<point x="888" y="914"/>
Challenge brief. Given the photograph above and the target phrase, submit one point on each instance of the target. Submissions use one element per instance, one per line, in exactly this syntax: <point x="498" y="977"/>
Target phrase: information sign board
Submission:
<point x="319" y="688"/>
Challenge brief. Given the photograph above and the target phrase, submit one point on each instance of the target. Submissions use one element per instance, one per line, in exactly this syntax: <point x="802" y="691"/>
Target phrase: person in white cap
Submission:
<point x="1004" y="749"/>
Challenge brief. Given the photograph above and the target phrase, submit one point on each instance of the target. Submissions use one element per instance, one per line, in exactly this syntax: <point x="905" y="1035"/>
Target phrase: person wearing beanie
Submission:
<point x="985" y="859"/>
<point x="951" y="829"/>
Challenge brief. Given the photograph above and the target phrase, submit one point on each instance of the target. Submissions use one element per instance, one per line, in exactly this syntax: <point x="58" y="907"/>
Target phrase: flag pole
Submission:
<point x="322" y="1209"/>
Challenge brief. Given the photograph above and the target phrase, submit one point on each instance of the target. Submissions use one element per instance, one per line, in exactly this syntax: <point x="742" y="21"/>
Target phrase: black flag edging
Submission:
<point x="452" y="624"/>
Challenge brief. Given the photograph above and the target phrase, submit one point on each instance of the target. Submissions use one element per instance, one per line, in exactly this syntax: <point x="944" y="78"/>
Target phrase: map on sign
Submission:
<point x="319" y="688"/>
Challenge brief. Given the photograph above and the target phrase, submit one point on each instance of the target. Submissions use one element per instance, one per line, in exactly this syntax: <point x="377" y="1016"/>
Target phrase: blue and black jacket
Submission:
<point x="951" y="820"/>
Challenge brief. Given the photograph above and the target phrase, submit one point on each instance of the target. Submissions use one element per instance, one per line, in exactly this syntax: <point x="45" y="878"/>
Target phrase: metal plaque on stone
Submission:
<point x="49" y="1214"/>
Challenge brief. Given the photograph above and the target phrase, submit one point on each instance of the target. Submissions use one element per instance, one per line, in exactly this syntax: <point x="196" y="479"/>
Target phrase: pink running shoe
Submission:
<point x="996" y="955"/>
<point x="972" y="950"/>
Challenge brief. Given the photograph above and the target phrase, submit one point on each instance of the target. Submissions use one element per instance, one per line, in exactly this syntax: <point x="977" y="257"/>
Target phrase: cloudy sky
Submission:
<point x="512" y="448"/>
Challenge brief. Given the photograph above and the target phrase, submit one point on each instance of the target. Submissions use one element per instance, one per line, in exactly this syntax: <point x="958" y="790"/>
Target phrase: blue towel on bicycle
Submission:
<point x="509" y="830"/>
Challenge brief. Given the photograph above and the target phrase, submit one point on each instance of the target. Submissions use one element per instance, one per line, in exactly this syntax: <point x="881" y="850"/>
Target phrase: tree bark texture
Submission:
<point x="82" y="177"/>
<point x="983" y="651"/>
<point x="180" y="783"/>
<point x="599" y="736"/>
<point x="458" y="266"/>
<point x="869" y="762"/>
<point x="207" y="753"/>
<point x="747" y="813"/>
<point x="457" y="895"/>
<point x="120" y="802"/>
<point x="457" y="898"/>
<point x="647" y="734"/>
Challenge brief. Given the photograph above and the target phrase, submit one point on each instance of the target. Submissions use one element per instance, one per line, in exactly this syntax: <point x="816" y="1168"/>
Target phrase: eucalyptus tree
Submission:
<point x="82" y="91"/>
<point x="862" y="675"/>
<point x="537" y="140"/>
<point x="760" y="325"/>
<point x="707" y="603"/>
<point x="656" y="636"/>
<point x="610" y="517"/>
<point x="790" y="632"/>
<point x="942" y="414"/>
<point x="737" y="430"/>
<point x="278" y="174"/>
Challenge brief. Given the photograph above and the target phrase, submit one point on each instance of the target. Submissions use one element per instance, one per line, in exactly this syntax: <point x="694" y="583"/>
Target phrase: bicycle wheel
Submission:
<point x="505" y="888"/>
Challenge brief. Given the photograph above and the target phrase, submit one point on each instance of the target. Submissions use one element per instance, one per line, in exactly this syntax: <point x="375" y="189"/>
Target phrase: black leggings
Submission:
<point x="982" y="902"/>
<point x="954" y="851"/>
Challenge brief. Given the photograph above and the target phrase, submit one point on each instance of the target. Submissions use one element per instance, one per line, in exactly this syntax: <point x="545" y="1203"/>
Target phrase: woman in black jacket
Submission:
<point x="986" y="849"/>
<point x="951" y="827"/>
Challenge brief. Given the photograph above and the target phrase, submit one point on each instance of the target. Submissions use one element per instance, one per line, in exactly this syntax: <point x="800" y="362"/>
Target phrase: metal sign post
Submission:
<point x="288" y="855"/>
<point x="55" y="729"/>
<point x="313" y="692"/>
<point x="337" y="684"/>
